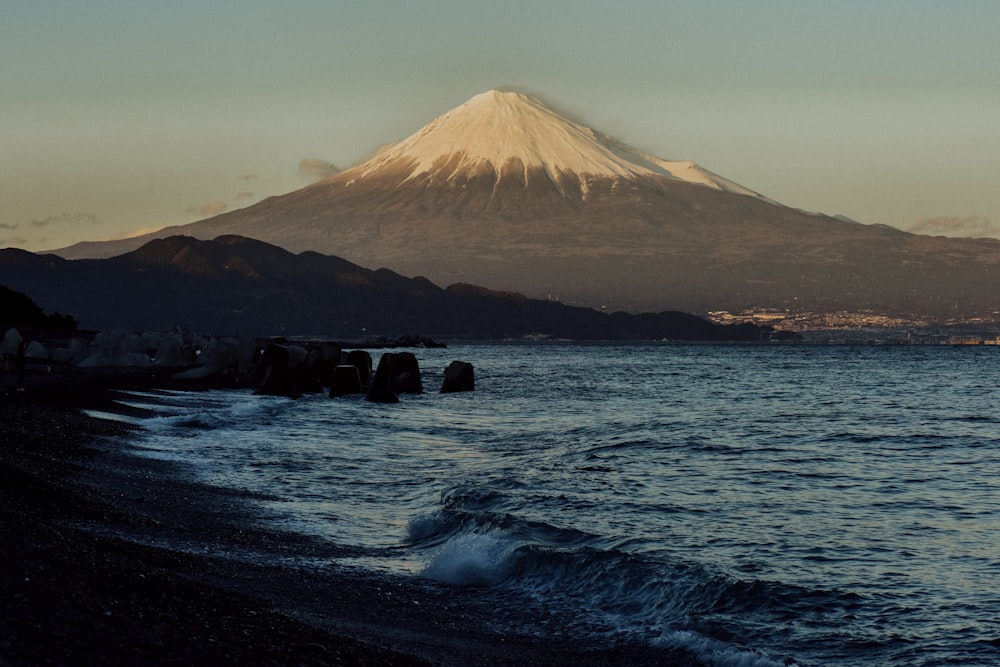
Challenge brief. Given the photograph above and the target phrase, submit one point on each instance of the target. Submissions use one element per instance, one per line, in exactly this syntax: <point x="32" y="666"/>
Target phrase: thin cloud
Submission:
<point x="139" y="232"/>
<point x="248" y="177"/>
<point x="9" y="227"/>
<point x="72" y="219"/>
<point x="243" y="196"/>
<point x="209" y="209"/>
<point x="315" y="169"/>
<point x="14" y="241"/>
<point x="944" y="225"/>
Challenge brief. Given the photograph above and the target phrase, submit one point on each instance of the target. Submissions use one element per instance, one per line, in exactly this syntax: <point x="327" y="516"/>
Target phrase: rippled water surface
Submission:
<point x="757" y="505"/>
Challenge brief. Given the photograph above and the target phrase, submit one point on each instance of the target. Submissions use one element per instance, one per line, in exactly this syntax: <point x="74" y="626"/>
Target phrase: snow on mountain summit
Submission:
<point x="497" y="127"/>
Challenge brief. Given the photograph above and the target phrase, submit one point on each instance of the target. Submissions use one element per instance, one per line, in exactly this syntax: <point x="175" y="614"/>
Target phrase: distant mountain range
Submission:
<point x="504" y="192"/>
<point x="235" y="285"/>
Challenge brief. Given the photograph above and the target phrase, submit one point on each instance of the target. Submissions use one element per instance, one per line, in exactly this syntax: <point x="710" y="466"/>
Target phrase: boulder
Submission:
<point x="36" y="351"/>
<point x="169" y="349"/>
<point x="170" y="352"/>
<point x="112" y="349"/>
<point x="378" y="390"/>
<point x="397" y="373"/>
<point x="274" y="373"/>
<point x="405" y="374"/>
<point x="459" y="376"/>
<point x="77" y="350"/>
<point x="306" y="375"/>
<point x="11" y="340"/>
<point x="361" y="360"/>
<point x="297" y="356"/>
<point x="345" y="381"/>
<point x="327" y="357"/>
<point x="219" y="355"/>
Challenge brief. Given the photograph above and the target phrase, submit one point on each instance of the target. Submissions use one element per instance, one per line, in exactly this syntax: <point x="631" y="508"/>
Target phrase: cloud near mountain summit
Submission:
<point x="969" y="226"/>
<point x="209" y="209"/>
<point x="315" y="169"/>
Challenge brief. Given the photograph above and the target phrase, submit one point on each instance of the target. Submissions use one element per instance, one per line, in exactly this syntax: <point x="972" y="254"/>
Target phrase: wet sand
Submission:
<point x="108" y="558"/>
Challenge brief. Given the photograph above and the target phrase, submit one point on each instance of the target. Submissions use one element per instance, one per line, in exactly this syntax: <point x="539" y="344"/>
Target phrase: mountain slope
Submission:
<point x="504" y="192"/>
<point x="242" y="286"/>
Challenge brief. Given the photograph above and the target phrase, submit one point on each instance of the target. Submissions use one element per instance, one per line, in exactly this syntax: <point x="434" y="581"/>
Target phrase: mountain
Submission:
<point x="503" y="191"/>
<point x="235" y="285"/>
<point x="17" y="309"/>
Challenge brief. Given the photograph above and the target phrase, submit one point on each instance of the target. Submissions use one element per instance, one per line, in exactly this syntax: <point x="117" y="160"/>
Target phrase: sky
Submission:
<point x="118" y="117"/>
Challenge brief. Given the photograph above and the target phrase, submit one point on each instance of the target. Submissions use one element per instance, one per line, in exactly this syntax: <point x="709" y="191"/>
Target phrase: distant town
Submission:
<point x="867" y="327"/>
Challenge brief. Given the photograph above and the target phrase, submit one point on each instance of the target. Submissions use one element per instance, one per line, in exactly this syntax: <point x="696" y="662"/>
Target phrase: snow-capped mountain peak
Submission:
<point x="496" y="128"/>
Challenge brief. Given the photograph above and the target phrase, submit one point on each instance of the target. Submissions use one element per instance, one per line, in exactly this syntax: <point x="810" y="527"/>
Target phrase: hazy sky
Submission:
<point x="117" y="116"/>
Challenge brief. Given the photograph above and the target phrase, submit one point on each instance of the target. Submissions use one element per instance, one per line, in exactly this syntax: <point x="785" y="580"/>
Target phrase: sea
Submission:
<point x="748" y="504"/>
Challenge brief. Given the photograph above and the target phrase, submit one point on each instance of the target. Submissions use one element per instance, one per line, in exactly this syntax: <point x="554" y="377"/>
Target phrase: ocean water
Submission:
<point x="755" y="505"/>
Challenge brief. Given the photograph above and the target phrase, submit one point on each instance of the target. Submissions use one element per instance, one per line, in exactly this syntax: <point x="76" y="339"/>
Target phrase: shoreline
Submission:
<point x="78" y="591"/>
<point x="117" y="559"/>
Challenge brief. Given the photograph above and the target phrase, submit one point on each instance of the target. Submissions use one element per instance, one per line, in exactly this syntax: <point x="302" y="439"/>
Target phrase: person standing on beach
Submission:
<point x="20" y="361"/>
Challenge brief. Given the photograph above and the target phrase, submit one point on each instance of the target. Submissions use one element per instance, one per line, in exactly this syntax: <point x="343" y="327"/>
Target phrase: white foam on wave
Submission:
<point x="487" y="559"/>
<point x="714" y="652"/>
<point x="602" y="592"/>
<point x="212" y="413"/>
<point x="110" y="416"/>
<point x="182" y="426"/>
<point x="472" y="559"/>
<point x="157" y="394"/>
<point x="254" y="406"/>
<point x="204" y="420"/>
